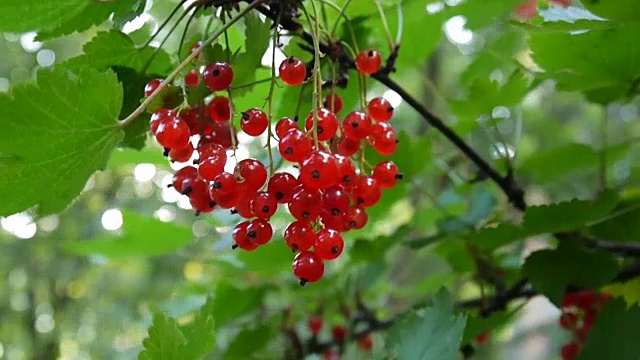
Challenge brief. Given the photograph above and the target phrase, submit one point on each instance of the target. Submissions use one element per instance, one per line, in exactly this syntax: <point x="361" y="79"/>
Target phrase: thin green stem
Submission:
<point x="316" y="68"/>
<point x="385" y="26"/>
<point x="272" y="87"/>
<point x="253" y="83"/>
<point x="604" y="143"/>
<point x="164" y="23"/>
<point x="400" y="23"/>
<point x="138" y="111"/>
<point x="232" y="106"/>
<point x="173" y="28"/>
<point x="184" y="33"/>
<point x="343" y="15"/>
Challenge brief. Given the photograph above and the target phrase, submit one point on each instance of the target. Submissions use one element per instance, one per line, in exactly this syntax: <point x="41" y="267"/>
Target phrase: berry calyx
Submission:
<point x="380" y="109"/>
<point x="254" y="122"/>
<point x="259" y="231"/>
<point x="366" y="192"/>
<point x="308" y="267"/>
<point x="386" y="174"/>
<point x="368" y="61"/>
<point x="281" y="185"/>
<point x="356" y="125"/>
<point x="218" y="76"/>
<point x="264" y="205"/>
<point x="183" y="177"/>
<point x="241" y="238"/>
<point x="292" y="71"/>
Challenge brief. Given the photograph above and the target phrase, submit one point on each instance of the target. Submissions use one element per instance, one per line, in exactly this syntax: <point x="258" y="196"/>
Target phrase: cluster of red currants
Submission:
<point x="339" y="335"/>
<point x="328" y="197"/>
<point x="579" y="312"/>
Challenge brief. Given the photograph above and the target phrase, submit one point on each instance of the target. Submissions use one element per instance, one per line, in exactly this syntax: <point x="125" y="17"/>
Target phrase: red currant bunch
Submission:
<point x="579" y="312"/>
<point x="330" y="195"/>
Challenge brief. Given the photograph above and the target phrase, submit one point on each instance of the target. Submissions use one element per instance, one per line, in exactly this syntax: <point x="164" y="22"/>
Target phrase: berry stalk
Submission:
<point x="122" y="124"/>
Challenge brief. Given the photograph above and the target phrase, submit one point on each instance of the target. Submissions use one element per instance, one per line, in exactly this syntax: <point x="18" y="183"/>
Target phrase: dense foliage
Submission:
<point x="453" y="170"/>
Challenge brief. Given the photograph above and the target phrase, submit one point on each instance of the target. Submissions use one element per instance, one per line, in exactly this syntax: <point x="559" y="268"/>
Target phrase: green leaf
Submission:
<point x="603" y="63"/>
<point x="433" y="333"/>
<point x="248" y="342"/>
<point x="550" y="271"/>
<point x="480" y="13"/>
<point x="164" y="342"/>
<point x="230" y="302"/>
<point x="127" y="157"/>
<point x="477" y="325"/>
<point x="62" y="17"/>
<point x="275" y="258"/>
<point x="614" y="334"/>
<point x="115" y="48"/>
<point x="481" y="204"/>
<point x="628" y="290"/>
<point x="563" y="216"/>
<point x="557" y="163"/>
<point x="140" y="236"/>
<point x="133" y="83"/>
<point x="616" y="10"/>
<point x="622" y="226"/>
<point x="58" y="132"/>
<point x="200" y="334"/>
<point x="257" y="36"/>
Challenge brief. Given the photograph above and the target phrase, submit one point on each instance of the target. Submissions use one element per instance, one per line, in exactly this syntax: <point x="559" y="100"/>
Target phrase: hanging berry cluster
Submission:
<point x="334" y="186"/>
<point x="579" y="312"/>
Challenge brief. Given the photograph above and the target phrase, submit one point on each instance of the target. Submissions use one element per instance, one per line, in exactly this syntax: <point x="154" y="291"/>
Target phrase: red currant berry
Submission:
<point x="184" y="177"/>
<point x="195" y="47"/>
<point x="319" y="170"/>
<point x="218" y="76"/>
<point x="209" y="168"/>
<point x="482" y="338"/>
<point x="384" y="143"/>
<point x="182" y="154"/>
<point x="315" y="324"/>
<point x="366" y="192"/>
<point x="568" y="321"/>
<point x="308" y="267"/>
<point x="330" y="355"/>
<point x="173" y="133"/>
<point x="199" y="196"/>
<point x="292" y="71"/>
<point x="357" y="217"/>
<point x="281" y="185"/>
<point x="327" y="124"/>
<point x="347" y="146"/>
<point x="386" y="174"/>
<point x="152" y="86"/>
<point x="252" y="173"/>
<point x="264" y="205"/>
<point x="222" y="134"/>
<point x="368" y="61"/>
<point x="208" y="149"/>
<point x="294" y="146"/>
<point x="299" y="236"/>
<point x="365" y="342"/>
<point x="284" y="125"/>
<point x="570" y="351"/>
<point x="339" y="333"/>
<point x="335" y="200"/>
<point x="380" y="109"/>
<point x="329" y="244"/>
<point x="305" y="204"/>
<point x="260" y="231"/>
<point x="356" y="125"/>
<point x="333" y="221"/>
<point x="243" y="206"/>
<point x="254" y="122"/>
<point x="241" y="237"/>
<point x="159" y="116"/>
<point x="346" y="171"/>
<point x="192" y="79"/>
<point x="224" y="183"/>
<point x="333" y="102"/>
<point x="192" y="118"/>
<point x="219" y="109"/>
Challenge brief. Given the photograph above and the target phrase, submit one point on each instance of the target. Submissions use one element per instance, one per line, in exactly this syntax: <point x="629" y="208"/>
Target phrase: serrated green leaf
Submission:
<point x="614" y="334"/>
<point x="480" y="13"/>
<point x="628" y="290"/>
<point x="72" y="117"/>
<point x="550" y="271"/>
<point x="477" y="325"/>
<point x="434" y="334"/>
<point x="248" y="342"/>
<point x="115" y="48"/>
<point x="133" y="83"/>
<point x="141" y="236"/>
<point x="257" y="36"/>
<point x="623" y="225"/>
<point x="564" y="216"/>
<point x="200" y="335"/>
<point x="230" y="302"/>
<point x="603" y="63"/>
<point x="164" y="341"/>
<point x="41" y="14"/>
